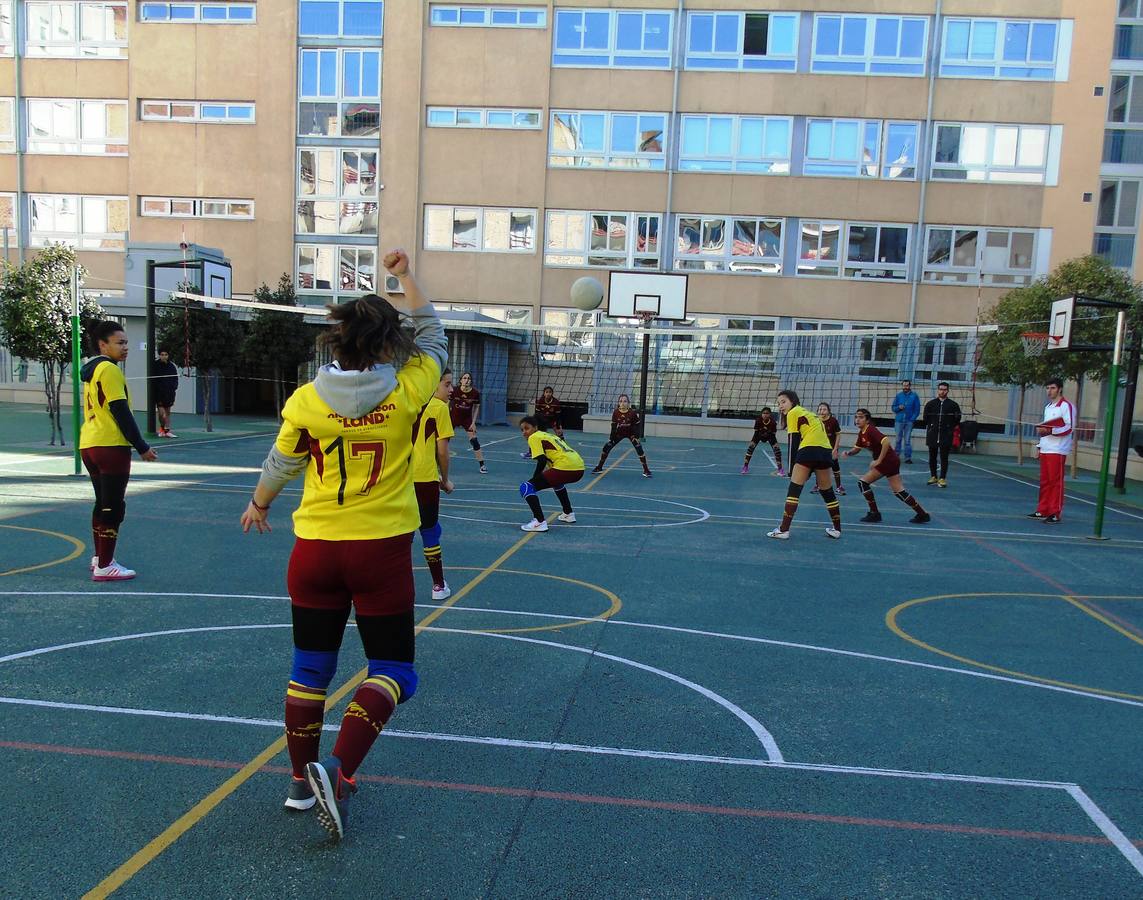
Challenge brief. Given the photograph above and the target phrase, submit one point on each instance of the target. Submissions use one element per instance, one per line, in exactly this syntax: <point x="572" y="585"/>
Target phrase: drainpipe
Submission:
<point x="18" y="29"/>
<point x="923" y="164"/>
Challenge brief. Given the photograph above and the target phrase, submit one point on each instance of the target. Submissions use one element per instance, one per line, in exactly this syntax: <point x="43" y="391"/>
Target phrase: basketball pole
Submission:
<point x="643" y="379"/>
<point x="1109" y="425"/>
<point x="76" y="400"/>
<point x="1128" y="411"/>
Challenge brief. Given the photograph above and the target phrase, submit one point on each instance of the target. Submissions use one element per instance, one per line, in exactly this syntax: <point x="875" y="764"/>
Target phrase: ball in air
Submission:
<point x="587" y="293"/>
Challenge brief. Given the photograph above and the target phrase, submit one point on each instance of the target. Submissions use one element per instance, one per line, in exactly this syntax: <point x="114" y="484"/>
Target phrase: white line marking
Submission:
<point x="129" y="637"/>
<point x="1109" y="828"/>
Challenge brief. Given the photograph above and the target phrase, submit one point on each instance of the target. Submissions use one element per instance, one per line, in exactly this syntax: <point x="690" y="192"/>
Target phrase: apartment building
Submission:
<point x="811" y="164"/>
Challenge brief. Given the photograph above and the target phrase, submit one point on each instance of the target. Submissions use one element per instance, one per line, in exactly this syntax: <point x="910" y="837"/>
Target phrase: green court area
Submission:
<point x="655" y="701"/>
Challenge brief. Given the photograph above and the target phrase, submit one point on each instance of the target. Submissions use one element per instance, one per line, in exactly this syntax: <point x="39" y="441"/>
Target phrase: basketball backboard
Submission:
<point x="1060" y="324"/>
<point x="654" y="294"/>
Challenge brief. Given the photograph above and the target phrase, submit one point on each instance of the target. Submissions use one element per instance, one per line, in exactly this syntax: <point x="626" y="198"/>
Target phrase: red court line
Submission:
<point x="589" y="799"/>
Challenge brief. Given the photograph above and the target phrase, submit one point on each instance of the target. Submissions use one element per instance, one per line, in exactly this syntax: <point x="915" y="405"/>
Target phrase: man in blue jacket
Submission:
<point x="906" y="408"/>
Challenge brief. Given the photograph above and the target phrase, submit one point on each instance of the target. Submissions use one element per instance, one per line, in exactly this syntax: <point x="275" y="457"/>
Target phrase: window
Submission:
<point x="485" y="229"/>
<point x="818" y="250"/>
<point x="876" y="251"/>
<point x="1012" y="153"/>
<point x="755" y="344"/>
<point x="729" y="244"/>
<point x="1129" y="31"/>
<point x="339" y="92"/>
<point x="7" y="125"/>
<point x="947" y="357"/>
<point x="736" y="144"/>
<point x="87" y="127"/>
<point x="1124" y="145"/>
<point x="870" y="45"/>
<point x="76" y="29"/>
<point x="340" y="18"/>
<point x="972" y="255"/>
<point x="607" y="140"/>
<point x="330" y="269"/>
<point x="222" y="112"/>
<point x="203" y="13"/>
<point x="765" y="42"/>
<point x="6" y="30"/>
<point x="83" y="222"/>
<point x="878" y="349"/>
<point x="568" y="336"/>
<point x="483" y="117"/>
<point x="622" y="39"/>
<point x="621" y="240"/>
<point x="861" y="148"/>
<point x="509" y="315"/>
<point x="8" y="216"/>
<point x="489" y="17"/>
<point x="1026" y="49"/>
<point x="1116" y="221"/>
<point x="337" y="191"/>
<point x="195" y="208"/>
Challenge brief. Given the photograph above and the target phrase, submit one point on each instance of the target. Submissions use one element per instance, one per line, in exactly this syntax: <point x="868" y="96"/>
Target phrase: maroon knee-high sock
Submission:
<point x="305" y="707"/>
<point x="366" y="715"/>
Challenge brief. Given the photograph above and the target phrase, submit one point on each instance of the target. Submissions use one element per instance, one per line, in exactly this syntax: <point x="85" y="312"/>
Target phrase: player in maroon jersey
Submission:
<point x="549" y="412"/>
<point x="833" y="432"/>
<point x="765" y="432"/>
<point x="886" y="464"/>
<point x="624" y="426"/>
<point x="463" y="403"/>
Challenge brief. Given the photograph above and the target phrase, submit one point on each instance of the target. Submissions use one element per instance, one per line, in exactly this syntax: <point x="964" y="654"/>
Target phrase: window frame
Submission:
<point x="481" y="231"/>
<point x="78" y="47"/>
<point x="611" y="57"/>
<point x="997" y="67"/>
<point x="8" y="11"/>
<point x="736" y="162"/>
<point x="990" y="172"/>
<point x="341" y="19"/>
<point x="345" y="203"/>
<point x="890" y="271"/>
<point x="79" y="237"/>
<point x="723" y="60"/>
<point x="868" y="62"/>
<point x="199" y="115"/>
<point x="8" y="138"/>
<point x="488" y="14"/>
<point x="724" y="262"/>
<point x="484" y="113"/>
<point x="859" y="168"/>
<point x="74" y="146"/>
<point x="198" y="208"/>
<point x="1117" y="234"/>
<point x="977" y="273"/>
<point x="337" y="250"/>
<point x="631" y="257"/>
<point x="197" y="8"/>
<point x="340" y="98"/>
<point x="609" y="157"/>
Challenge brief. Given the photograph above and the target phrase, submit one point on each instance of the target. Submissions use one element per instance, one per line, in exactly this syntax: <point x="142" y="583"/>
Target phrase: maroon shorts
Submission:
<point x="376" y="577"/>
<point x="106" y="461"/>
<point x="428" y="501"/>
<point x="890" y="465"/>
<point x="558" y="477"/>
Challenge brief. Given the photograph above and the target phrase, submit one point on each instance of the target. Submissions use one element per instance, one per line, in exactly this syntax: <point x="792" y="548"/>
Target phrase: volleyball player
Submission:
<point x="557" y="465"/>
<point x="549" y="412"/>
<point x="765" y="432"/>
<point x="108" y="433"/>
<point x="886" y="464"/>
<point x="463" y="403"/>
<point x="811" y="455"/>
<point x="430" y="477"/>
<point x="351" y="432"/>
<point x="624" y="426"/>
<point x="833" y="435"/>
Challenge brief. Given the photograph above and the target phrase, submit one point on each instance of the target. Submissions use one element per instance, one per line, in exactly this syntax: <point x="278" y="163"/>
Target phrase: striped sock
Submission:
<point x="435" y="563"/>
<point x="832" y="506"/>
<point x="305" y="707"/>
<point x="793" y="492"/>
<point x="366" y="715"/>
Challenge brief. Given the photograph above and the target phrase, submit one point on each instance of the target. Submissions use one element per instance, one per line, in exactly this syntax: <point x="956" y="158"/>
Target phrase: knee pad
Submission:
<point x="314" y="668"/>
<point x="474" y="443"/>
<point x="405" y="674"/>
<point x="863" y="486"/>
<point x="431" y="536"/>
<point x="794" y="489"/>
<point x="527" y="489"/>
<point x="113" y="515"/>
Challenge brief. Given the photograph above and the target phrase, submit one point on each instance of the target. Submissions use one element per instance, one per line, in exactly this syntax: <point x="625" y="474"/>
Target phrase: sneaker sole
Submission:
<point x="300" y="805"/>
<point x="95" y="577"/>
<point x="328" y="813"/>
<point x="442" y="596"/>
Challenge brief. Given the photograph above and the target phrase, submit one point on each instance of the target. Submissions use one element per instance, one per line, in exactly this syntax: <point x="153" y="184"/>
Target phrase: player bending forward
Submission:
<point x="624" y="426"/>
<point x="811" y="454"/>
<point x="765" y="432"/>
<point x="886" y="464"/>
<point x="557" y="465"/>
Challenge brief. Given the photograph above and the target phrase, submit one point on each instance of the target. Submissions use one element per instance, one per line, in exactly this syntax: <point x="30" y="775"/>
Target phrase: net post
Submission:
<point x="1108" y="427"/>
<point x="149" y="303"/>
<point x="646" y="370"/>
<point x="1128" y="411"/>
<point x="76" y="401"/>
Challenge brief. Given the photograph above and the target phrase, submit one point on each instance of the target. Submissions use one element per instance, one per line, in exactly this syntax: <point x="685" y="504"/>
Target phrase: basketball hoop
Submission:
<point x="1035" y="342"/>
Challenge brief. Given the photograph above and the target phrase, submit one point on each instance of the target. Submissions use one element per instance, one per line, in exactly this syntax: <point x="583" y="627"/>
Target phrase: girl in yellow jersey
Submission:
<point x="811" y="453"/>
<point x="351" y="432"/>
<point x="109" y="432"/>
<point x="557" y="465"/>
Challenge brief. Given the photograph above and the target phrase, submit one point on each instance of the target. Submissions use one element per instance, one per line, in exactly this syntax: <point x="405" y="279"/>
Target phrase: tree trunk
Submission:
<point x="58" y="392"/>
<point x="1020" y="428"/>
<point x="49" y="380"/>
<point x="206" y="403"/>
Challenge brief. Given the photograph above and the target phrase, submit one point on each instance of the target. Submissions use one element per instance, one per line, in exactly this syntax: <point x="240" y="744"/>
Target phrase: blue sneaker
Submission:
<point x="300" y="796"/>
<point x="332" y="791"/>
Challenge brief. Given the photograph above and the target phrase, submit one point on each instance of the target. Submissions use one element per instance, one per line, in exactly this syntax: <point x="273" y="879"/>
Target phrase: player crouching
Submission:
<point x="557" y="465"/>
<point x="886" y="463"/>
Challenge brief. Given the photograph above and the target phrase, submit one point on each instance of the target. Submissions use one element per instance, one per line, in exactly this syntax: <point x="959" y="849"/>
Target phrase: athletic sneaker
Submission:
<point x="300" y="795"/>
<point x="778" y="534"/>
<point x="332" y="792"/>
<point x="833" y="533"/>
<point x="113" y="571"/>
<point x="920" y="518"/>
<point x="943" y="482"/>
<point x="442" y="591"/>
<point x="1036" y="515"/>
<point x="871" y="517"/>
<point x="908" y="462"/>
<point x="745" y="470"/>
<point x="95" y="561"/>
<point x="597" y="470"/>
<point x="932" y="480"/>
<point x="840" y="490"/>
<point x="170" y="434"/>
<point x="535" y="525"/>
<point x="567" y="517"/>
<point x="779" y="472"/>
<point x="526" y="454"/>
<point x="816" y="490"/>
<point x="483" y="470"/>
<point x="1052" y="520"/>
<point x="647" y="473"/>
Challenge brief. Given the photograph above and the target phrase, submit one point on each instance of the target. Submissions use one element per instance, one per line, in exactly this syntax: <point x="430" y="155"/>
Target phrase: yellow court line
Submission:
<point x="1106" y="621"/>
<point x="78" y="545"/>
<point x="200" y="810"/>
<point x="891" y="622"/>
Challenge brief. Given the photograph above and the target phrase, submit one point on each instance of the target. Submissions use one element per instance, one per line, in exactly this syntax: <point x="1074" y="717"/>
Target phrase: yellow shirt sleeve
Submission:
<point x="536" y="444"/>
<point x="444" y="420"/>
<point x="292" y="440"/>
<point x="419" y="377"/>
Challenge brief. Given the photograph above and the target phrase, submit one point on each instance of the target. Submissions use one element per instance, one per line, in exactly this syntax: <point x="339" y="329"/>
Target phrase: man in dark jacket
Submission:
<point x="166" y="375"/>
<point x="942" y="415"/>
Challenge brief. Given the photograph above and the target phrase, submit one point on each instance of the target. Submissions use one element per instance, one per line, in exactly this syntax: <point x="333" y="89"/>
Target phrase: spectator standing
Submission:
<point x="1055" y="431"/>
<point x="942" y="415"/>
<point x="166" y="375"/>
<point x="906" y="409"/>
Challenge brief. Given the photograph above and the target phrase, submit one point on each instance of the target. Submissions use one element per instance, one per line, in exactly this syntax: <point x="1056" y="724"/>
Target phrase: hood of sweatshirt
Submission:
<point x="352" y="393"/>
<point x="88" y="368"/>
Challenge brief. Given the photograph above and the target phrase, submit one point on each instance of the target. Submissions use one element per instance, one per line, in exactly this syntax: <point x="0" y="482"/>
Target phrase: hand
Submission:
<point x="1042" y="430"/>
<point x="470" y="431"/>
<point x="446" y="485"/>
<point x="259" y="518"/>
<point x="150" y="456"/>
<point x="396" y="262"/>
<point x="835" y="454"/>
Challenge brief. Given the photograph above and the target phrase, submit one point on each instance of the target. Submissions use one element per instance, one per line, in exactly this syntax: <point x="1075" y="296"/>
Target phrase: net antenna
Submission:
<point x="646" y="296"/>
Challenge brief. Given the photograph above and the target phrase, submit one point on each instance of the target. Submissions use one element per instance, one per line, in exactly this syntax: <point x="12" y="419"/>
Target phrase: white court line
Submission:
<point x="1109" y="828"/>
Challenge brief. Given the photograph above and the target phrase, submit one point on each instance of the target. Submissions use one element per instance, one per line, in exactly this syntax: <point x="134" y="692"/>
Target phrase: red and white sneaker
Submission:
<point x="170" y="434"/>
<point x="113" y="571"/>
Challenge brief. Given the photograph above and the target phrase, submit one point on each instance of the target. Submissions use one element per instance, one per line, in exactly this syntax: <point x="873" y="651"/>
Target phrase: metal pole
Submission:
<point x="76" y="401"/>
<point x="1128" y="412"/>
<point x="149" y="303"/>
<point x="1108" y="427"/>
<point x="643" y="380"/>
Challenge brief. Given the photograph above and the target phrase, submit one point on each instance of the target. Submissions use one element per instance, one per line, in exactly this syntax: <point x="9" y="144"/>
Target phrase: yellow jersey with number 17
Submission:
<point x="559" y="453"/>
<point x="99" y="426"/>
<point x="434" y="425"/>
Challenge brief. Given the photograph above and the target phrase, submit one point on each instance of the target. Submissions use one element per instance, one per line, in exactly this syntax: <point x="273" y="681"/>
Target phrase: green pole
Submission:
<point x="1108" y="428"/>
<point x="76" y="401"/>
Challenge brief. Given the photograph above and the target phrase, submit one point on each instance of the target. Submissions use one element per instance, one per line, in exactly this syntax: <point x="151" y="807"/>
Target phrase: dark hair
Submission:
<point x="366" y="331"/>
<point x="469" y="374"/>
<point x="861" y="409"/>
<point x="621" y="396"/>
<point x="531" y="420"/>
<point x="548" y="387"/>
<point x="942" y="384"/>
<point x="447" y="371"/>
<point x="767" y="409"/>
<point x="165" y="350"/>
<point x="792" y="396"/>
<point x="101" y="331"/>
<point x="827" y="406"/>
<point x="1058" y="382"/>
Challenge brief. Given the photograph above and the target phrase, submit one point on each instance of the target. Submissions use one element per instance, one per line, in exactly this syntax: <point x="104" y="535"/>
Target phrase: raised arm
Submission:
<point x="428" y="332"/>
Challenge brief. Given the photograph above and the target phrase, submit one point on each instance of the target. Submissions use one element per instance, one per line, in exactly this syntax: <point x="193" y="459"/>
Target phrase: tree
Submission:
<point x="210" y="342"/>
<point x="1002" y="358"/>
<point x="36" y="307"/>
<point x="279" y="341"/>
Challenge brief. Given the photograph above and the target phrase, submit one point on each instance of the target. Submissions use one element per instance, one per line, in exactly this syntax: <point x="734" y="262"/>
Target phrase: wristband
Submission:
<point x="254" y="503"/>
